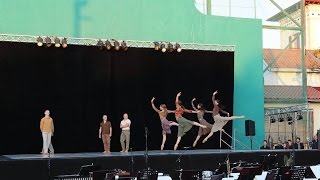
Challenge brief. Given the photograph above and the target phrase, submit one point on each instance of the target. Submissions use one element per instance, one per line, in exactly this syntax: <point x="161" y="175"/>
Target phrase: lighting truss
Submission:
<point x="130" y="43"/>
<point x="289" y="109"/>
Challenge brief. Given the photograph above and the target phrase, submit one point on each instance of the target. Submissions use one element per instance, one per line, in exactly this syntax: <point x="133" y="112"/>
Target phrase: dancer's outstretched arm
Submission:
<point x="193" y="106"/>
<point x="153" y="106"/>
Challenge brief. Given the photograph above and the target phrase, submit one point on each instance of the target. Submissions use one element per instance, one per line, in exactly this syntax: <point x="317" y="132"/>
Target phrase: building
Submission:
<point x="312" y="24"/>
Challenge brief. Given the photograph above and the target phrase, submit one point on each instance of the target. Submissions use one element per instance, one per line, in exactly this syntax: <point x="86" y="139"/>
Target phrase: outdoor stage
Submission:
<point x="37" y="166"/>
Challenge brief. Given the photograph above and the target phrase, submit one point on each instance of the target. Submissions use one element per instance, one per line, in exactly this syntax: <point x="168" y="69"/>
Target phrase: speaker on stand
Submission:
<point x="250" y="129"/>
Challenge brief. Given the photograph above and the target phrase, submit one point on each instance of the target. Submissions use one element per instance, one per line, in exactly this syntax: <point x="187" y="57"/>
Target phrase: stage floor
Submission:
<point x="38" y="166"/>
<point x="120" y="154"/>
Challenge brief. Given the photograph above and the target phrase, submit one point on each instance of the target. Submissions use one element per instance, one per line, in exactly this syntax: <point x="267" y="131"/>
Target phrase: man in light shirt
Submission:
<point x="47" y="129"/>
<point x="125" y="134"/>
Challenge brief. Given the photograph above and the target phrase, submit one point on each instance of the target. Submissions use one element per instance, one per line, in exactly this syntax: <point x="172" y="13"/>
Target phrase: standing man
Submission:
<point x="47" y="129"/>
<point x="298" y="144"/>
<point x="105" y="131"/>
<point x="125" y="134"/>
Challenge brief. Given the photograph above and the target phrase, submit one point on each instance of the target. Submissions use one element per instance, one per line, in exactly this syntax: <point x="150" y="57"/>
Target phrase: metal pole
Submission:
<point x="234" y="139"/>
<point x="220" y="138"/>
<point x="229" y="7"/>
<point x="208" y="7"/>
<point x="303" y="55"/>
<point x="255" y="8"/>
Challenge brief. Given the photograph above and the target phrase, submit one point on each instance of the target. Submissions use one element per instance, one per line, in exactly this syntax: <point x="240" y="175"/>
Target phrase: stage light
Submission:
<point x="57" y="42"/>
<point x="299" y="116"/>
<point x="280" y="118"/>
<point x="39" y="41"/>
<point x="289" y="118"/>
<point x="156" y="46"/>
<point x="100" y="44"/>
<point x="124" y="45"/>
<point x="108" y="45"/>
<point x="163" y="47"/>
<point x="64" y="43"/>
<point x="272" y="119"/>
<point x="48" y="41"/>
<point x="116" y="45"/>
<point x="170" y="47"/>
<point x="178" y="47"/>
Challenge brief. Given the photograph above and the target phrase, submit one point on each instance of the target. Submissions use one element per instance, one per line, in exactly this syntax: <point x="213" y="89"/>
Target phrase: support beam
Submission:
<point x="303" y="53"/>
<point x="281" y="54"/>
<point x="284" y="12"/>
<point x="282" y="28"/>
<point x="209" y="7"/>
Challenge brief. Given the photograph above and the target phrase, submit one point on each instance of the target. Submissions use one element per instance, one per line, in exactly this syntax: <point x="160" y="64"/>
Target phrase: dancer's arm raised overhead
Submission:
<point x="214" y="97"/>
<point x="193" y="106"/>
<point x="177" y="99"/>
<point x="153" y="106"/>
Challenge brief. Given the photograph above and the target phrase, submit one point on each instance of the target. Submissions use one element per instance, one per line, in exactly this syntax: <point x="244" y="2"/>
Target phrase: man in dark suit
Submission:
<point x="298" y="144"/>
<point x="265" y="145"/>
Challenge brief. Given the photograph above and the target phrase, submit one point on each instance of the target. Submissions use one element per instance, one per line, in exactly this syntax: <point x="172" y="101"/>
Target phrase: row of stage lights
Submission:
<point x="169" y="48"/>
<point x="283" y="117"/>
<point x="48" y="42"/>
<point x="109" y="44"/>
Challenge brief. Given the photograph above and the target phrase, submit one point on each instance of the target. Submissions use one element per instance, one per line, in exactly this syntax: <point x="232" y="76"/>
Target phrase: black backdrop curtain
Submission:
<point x="81" y="83"/>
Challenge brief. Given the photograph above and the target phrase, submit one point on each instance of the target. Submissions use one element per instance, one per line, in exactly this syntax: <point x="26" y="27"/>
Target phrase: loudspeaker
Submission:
<point x="250" y="128"/>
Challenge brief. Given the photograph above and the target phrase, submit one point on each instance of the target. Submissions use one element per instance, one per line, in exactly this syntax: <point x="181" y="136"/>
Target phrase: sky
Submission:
<point x="246" y="9"/>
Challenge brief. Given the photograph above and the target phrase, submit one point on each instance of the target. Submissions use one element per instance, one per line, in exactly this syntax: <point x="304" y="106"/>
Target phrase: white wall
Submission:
<point x="290" y="78"/>
<point x="313" y="27"/>
<point x="316" y="116"/>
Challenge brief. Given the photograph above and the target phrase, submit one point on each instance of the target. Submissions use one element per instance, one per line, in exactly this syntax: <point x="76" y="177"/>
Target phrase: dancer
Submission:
<point x="47" y="129"/>
<point x="184" y="124"/>
<point x="163" y="112"/>
<point x="125" y="134"/>
<point x="200" y="113"/>
<point x="219" y="121"/>
<point x="105" y="132"/>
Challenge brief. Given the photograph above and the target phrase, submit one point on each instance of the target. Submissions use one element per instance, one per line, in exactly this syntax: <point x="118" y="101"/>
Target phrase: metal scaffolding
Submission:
<point x="301" y="31"/>
<point x="130" y="43"/>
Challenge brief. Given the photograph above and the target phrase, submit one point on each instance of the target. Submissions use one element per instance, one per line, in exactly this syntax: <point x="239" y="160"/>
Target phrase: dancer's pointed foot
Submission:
<point x="194" y="144"/>
<point x="204" y="140"/>
<point x="175" y="147"/>
<point x="162" y="146"/>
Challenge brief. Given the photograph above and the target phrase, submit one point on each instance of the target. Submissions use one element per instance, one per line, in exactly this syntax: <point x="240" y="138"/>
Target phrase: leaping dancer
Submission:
<point x="184" y="124"/>
<point x="165" y="124"/>
<point x="200" y="113"/>
<point x="219" y="121"/>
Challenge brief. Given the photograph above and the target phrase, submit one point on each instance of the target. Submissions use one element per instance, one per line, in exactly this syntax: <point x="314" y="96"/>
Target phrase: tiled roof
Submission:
<point x="274" y="93"/>
<point x="312" y="2"/>
<point x="290" y="59"/>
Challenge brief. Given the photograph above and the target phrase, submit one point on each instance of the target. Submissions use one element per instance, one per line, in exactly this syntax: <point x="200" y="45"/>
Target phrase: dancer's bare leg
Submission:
<point x="196" y="141"/>
<point x="232" y="118"/>
<point x="213" y="130"/>
<point x="200" y="125"/>
<point x="177" y="143"/>
<point x="164" y="137"/>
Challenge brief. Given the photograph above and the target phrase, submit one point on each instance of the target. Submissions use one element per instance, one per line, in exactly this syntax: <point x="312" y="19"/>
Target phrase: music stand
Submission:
<point x="248" y="173"/>
<point x="268" y="161"/>
<point x="86" y="169"/>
